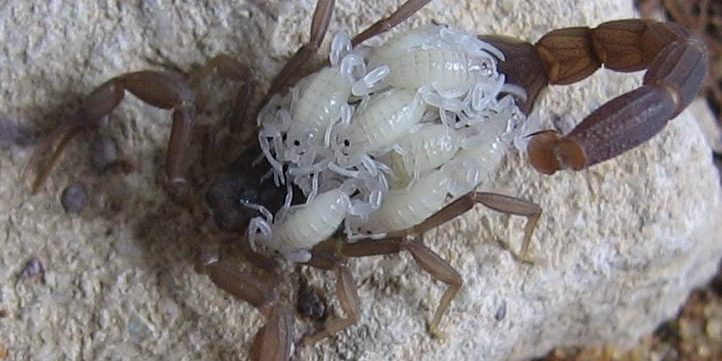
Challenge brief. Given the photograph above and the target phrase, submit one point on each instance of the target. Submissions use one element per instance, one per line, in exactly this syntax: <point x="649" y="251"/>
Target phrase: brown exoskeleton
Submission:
<point x="675" y="59"/>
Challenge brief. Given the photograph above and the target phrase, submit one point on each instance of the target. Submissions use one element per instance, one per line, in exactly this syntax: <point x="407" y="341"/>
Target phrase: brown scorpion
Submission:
<point x="674" y="59"/>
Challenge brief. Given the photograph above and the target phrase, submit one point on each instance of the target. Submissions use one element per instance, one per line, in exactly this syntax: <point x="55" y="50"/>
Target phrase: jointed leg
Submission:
<point x="60" y="136"/>
<point x="319" y="26"/>
<point x="498" y="202"/>
<point x="232" y="70"/>
<point x="676" y="64"/>
<point x="409" y="8"/>
<point x="515" y="206"/>
<point x="215" y="138"/>
<point x="161" y="90"/>
<point x="273" y="341"/>
<point x="347" y="296"/>
<point x="429" y="261"/>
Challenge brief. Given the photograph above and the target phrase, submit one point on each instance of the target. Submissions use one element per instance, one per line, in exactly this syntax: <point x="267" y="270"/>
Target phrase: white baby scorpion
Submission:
<point x="452" y="70"/>
<point x="295" y="125"/>
<point x="455" y="167"/>
<point x="300" y="228"/>
<point x="379" y="124"/>
<point x="404" y="208"/>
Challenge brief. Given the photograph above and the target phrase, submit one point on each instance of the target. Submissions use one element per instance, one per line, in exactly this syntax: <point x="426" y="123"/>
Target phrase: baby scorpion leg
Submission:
<point x="273" y="341"/>
<point x="429" y="261"/>
<point x="407" y="9"/>
<point x="161" y="90"/>
<point x="676" y="63"/>
<point x="319" y="25"/>
<point x="345" y="290"/>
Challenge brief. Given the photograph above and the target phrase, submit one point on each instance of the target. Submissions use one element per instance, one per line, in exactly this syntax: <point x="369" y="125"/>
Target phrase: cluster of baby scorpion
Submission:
<point x="383" y="137"/>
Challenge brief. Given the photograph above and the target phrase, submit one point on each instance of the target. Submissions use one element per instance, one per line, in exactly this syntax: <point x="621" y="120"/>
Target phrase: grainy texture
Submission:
<point x="619" y="246"/>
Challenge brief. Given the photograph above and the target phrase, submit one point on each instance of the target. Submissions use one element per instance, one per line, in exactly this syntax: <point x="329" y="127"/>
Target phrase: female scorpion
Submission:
<point x="675" y="62"/>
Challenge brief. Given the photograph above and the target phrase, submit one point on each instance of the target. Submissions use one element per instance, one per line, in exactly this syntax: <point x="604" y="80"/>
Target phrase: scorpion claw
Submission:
<point x="676" y="63"/>
<point x="549" y="152"/>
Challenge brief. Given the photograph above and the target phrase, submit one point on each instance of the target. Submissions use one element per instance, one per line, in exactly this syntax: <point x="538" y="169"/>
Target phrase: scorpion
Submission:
<point x="381" y="156"/>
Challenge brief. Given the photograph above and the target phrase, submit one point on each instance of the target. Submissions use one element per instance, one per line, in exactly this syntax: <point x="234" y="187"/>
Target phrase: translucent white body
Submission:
<point x="405" y="208"/>
<point x="304" y="226"/>
<point x="474" y="167"/>
<point x="320" y="97"/>
<point x="417" y="37"/>
<point x="430" y="146"/>
<point x="452" y="70"/>
<point x="446" y="69"/>
<point x="476" y="159"/>
<point x="476" y="163"/>
<point x="386" y="118"/>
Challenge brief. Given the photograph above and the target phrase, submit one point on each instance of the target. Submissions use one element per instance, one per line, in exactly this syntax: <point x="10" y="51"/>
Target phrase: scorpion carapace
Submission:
<point x="384" y="143"/>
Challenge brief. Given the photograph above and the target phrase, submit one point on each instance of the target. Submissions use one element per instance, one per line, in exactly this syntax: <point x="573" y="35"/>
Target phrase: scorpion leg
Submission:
<point x="161" y="90"/>
<point x="273" y="341"/>
<point x="215" y="138"/>
<point x="429" y="261"/>
<point x="498" y="202"/>
<point x="514" y="206"/>
<point x="65" y="135"/>
<point x="407" y="9"/>
<point x="230" y="69"/>
<point x="319" y="26"/>
<point x="676" y="62"/>
<point x="345" y="290"/>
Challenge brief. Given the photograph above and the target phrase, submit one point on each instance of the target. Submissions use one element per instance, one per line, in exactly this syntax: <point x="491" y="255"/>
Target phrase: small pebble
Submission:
<point x="74" y="198"/>
<point x="3" y="352"/>
<point x="33" y="268"/>
<point x="500" y="312"/>
<point x="3" y="313"/>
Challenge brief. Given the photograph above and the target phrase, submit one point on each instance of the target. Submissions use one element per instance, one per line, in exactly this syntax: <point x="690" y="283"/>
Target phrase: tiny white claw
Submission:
<point x="257" y="226"/>
<point x="261" y="209"/>
<point x="340" y="47"/>
<point x="433" y="98"/>
<point x="370" y="165"/>
<point x="514" y="90"/>
<point x="298" y="256"/>
<point x="366" y="85"/>
<point x="352" y="65"/>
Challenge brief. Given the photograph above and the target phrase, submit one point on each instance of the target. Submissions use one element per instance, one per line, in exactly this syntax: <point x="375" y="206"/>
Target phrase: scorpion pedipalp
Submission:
<point x="676" y="63"/>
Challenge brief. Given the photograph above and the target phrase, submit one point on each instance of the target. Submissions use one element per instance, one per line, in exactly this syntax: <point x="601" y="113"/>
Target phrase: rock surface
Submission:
<point x="618" y="247"/>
